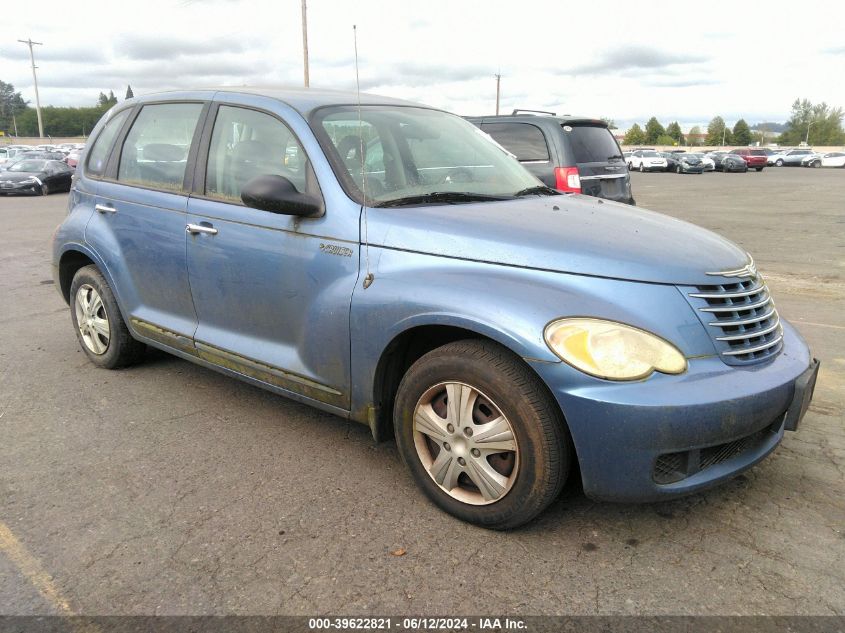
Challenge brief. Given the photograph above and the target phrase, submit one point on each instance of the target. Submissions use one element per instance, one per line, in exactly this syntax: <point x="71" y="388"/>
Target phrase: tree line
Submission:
<point x="818" y="124"/>
<point x="18" y="118"/>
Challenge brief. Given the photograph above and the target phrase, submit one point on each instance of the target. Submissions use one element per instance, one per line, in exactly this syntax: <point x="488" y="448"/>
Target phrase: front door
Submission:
<point x="272" y="292"/>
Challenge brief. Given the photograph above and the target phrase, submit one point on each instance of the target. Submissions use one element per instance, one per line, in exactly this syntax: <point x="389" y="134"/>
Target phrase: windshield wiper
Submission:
<point x="539" y="190"/>
<point x="446" y="197"/>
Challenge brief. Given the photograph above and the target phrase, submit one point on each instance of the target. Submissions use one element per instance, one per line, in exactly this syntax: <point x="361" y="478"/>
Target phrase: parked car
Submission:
<point x="771" y="158"/>
<point x="36" y="176"/>
<point x="569" y="153"/>
<point x="503" y="330"/>
<point x="72" y="159"/>
<point x="647" y="160"/>
<point x="706" y="161"/>
<point x="688" y="164"/>
<point x="754" y="158"/>
<point x="671" y="161"/>
<point x="790" y="158"/>
<point x="831" y="159"/>
<point x="31" y="155"/>
<point x="730" y="163"/>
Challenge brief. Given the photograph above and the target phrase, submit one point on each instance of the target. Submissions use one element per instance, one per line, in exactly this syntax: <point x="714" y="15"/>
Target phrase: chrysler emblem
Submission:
<point x="749" y="270"/>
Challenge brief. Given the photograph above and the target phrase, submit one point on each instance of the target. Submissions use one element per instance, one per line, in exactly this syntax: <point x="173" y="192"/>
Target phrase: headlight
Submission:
<point x="611" y="350"/>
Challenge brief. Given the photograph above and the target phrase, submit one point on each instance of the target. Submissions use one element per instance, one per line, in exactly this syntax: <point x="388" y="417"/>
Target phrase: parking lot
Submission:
<point x="170" y="489"/>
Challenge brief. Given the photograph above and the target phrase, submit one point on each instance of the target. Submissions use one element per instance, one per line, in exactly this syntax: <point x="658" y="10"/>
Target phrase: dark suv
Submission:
<point x="569" y="153"/>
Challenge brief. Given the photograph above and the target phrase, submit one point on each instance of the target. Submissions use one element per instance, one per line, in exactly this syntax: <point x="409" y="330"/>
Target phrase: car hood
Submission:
<point x="17" y="176"/>
<point x="569" y="234"/>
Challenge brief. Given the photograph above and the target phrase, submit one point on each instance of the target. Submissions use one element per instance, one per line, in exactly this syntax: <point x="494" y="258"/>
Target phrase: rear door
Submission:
<point x="139" y="227"/>
<point x="528" y="143"/>
<point x="592" y="148"/>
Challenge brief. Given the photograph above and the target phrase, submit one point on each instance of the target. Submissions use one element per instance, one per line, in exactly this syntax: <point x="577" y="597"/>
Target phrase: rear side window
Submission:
<point x="99" y="154"/>
<point x="524" y="140"/>
<point x="155" y="152"/>
<point x="245" y="144"/>
<point x="592" y="143"/>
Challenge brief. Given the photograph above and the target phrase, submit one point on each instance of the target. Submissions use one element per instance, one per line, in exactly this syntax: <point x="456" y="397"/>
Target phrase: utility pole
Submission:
<point x="724" y="131"/>
<point x="30" y="43"/>
<point x="498" y="84"/>
<point x="807" y="139"/>
<point x="305" y="43"/>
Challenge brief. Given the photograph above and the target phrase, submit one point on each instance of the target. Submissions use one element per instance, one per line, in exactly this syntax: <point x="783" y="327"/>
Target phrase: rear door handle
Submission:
<point x="193" y="229"/>
<point x="102" y="208"/>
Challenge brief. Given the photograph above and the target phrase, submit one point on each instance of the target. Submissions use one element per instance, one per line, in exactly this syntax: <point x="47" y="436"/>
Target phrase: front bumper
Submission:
<point x="623" y="431"/>
<point x="692" y="169"/>
<point x="30" y="188"/>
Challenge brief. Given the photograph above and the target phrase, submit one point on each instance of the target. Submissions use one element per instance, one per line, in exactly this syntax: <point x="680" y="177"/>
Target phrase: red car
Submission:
<point x="754" y="158"/>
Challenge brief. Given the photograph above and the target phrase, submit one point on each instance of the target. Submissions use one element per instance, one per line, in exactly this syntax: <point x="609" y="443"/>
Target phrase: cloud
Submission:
<point x="54" y="54"/>
<point x="681" y="82"/>
<point x="153" y="47"/>
<point x="635" y="58"/>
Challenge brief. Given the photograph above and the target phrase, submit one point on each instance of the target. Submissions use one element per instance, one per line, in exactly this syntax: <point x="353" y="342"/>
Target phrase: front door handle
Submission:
<point x="102" y="208"/>
<point x="193" y="229"/>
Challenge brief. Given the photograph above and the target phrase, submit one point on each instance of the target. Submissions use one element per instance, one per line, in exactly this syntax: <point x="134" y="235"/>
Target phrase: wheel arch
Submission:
<point x="69" y="264"/>
<point x="408" y="346"/>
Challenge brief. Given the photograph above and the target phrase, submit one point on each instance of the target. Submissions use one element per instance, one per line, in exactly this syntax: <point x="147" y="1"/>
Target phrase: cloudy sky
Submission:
<point x="631" y="60"/>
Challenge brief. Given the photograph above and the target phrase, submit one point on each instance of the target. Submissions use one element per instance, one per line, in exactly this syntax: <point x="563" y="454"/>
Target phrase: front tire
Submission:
<point x="678" y="169"/>
<point x="779" y="162"/>
<point x="481" y="435"/>
<point x="45" y="189"/>
<point x="98" y="324"/>
<point x="642" y="169"/>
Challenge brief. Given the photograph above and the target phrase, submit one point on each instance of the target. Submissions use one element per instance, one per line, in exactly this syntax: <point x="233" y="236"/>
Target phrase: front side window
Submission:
<point x="247" y="143"/>
<point x="416" y="156"/>
<point x="524" y="140"/>
<point x="99" y="153"/>
<point x="155" y="152"/>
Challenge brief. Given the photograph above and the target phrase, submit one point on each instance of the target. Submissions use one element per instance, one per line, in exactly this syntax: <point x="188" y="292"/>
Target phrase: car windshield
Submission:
<point x="417" y="156"/>
<point x="29" y="166"/>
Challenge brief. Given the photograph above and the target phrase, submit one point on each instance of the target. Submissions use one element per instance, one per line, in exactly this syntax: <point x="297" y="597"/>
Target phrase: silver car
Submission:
<point x="790" y="158"/>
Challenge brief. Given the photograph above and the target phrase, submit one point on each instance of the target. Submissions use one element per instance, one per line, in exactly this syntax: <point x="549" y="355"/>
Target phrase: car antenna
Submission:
<point x="369" y="277"/>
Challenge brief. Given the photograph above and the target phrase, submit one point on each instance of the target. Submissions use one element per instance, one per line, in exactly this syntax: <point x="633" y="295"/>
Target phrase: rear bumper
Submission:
<point x="623" y="432"/>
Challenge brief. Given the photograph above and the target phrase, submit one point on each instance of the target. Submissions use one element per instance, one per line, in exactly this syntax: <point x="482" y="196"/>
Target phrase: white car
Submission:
<point x="647" y="160"/>
<point x="708" y="163"/>
<point x="772" y="158"/>
<point x="831" y="159"/>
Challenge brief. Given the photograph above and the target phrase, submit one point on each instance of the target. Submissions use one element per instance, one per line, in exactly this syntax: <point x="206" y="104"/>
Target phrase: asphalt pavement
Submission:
<point x="170" y="489"/>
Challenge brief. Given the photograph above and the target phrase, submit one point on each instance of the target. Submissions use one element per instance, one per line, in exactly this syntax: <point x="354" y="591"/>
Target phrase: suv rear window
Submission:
<point x="593" y="143"/>
<point x="758" y="152"/>
<point x="524" y="140"/>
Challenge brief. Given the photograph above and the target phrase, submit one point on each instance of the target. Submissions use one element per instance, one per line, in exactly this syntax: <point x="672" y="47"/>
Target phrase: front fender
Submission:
<point x="509" y="305"/>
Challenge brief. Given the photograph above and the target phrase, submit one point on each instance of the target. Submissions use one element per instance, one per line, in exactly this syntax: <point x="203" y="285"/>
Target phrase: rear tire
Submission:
<point x="779" y="162"/>
<point x="529" y="463"/>
<point x="642" y="169"/>
<point x="759" y="168"/>
<point x="678" y="169"/>
<point x="98" y="324"/>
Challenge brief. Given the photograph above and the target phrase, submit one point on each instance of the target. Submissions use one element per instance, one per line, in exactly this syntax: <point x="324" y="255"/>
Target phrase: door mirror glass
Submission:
<point x="277" y="194"/>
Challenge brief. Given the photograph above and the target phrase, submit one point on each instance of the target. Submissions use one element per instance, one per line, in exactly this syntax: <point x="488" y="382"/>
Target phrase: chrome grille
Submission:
<point x="741" y="318"/>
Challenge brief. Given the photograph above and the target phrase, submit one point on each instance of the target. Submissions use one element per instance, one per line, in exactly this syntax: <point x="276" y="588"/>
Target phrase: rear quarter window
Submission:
<point x="524" y="140"/>
<point x="99" y="153"/>
<point x="592" y="143"/>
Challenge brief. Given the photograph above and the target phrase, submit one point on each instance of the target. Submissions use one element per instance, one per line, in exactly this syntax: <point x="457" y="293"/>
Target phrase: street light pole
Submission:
<point x="305" y="43"/>
<point x="498" y="84"/>
<point x="807" y="139"/>
<point x="30" y="43"/>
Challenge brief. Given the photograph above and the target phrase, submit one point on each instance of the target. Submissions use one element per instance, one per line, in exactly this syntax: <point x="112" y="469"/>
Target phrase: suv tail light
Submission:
<point x="567" y="179"/>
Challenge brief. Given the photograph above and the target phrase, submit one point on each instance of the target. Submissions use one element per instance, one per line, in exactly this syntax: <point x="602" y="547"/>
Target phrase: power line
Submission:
<point x="30" y="43"/>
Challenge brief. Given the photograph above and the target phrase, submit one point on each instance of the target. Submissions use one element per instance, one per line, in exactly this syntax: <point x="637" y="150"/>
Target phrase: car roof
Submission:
<point x="303" y="100"/>
<point x="556" y="119"/>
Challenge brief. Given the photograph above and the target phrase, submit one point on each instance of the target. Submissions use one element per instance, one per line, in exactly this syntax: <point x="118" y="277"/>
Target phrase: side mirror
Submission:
<point x="277" y="194"/>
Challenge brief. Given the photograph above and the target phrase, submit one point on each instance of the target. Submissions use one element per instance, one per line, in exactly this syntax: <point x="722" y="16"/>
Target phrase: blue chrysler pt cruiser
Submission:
<point x="392" y="264"/>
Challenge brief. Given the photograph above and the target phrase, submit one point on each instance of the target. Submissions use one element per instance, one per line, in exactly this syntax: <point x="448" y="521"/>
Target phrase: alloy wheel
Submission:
<point x="465" y="443"/>
<point x="92" y="319"/>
